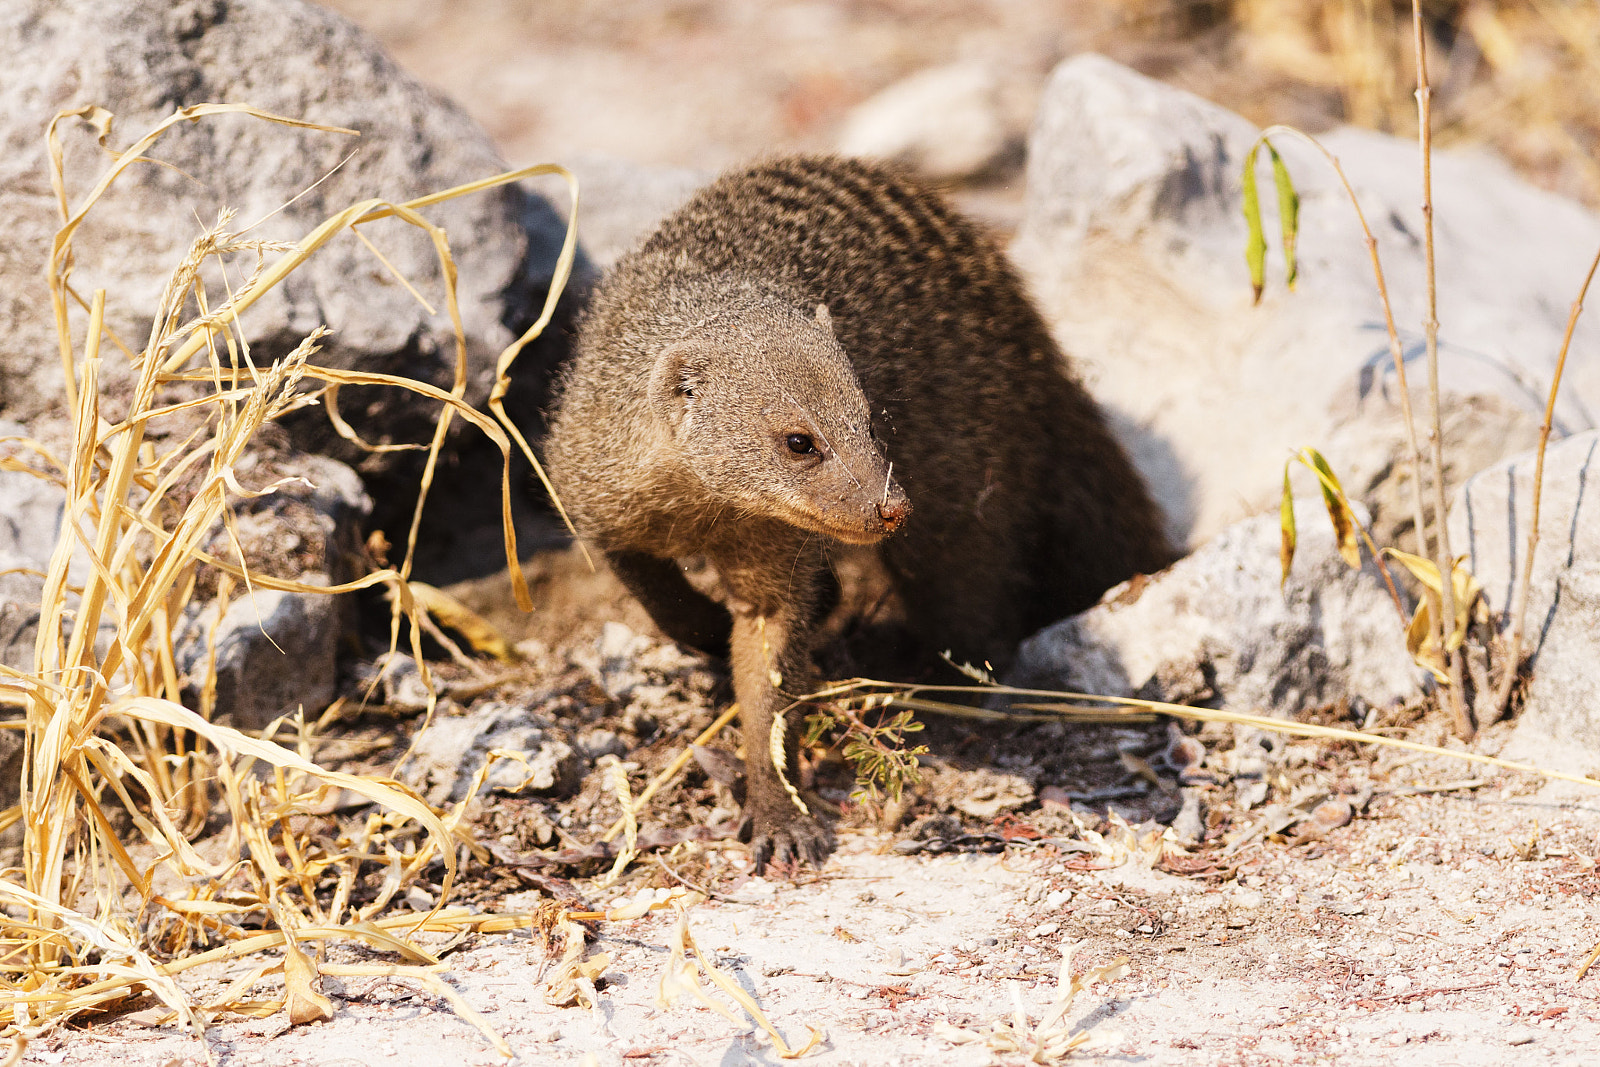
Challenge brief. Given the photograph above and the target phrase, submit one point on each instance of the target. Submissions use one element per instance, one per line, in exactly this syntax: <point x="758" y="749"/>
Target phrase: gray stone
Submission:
<point x="394" y="679"/>
<point x="1557" y="727"/>
<point x="275" y="653"/>
<point x="629" y="665"/>
<point x="1134" y="242"/>
<point x="1215" y="628"/>
<point x="141" y="61"/>
<point x="456" y="746"/>
<point x="31" y="508"/>
<point x="30" y="515"/>
<point x="950" y="123"/>
<point x="11" y="752"/>
<point x="277" y="650"/>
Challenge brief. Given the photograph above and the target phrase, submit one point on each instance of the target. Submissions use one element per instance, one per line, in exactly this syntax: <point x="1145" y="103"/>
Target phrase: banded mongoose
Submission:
<point x="816" y="350"/>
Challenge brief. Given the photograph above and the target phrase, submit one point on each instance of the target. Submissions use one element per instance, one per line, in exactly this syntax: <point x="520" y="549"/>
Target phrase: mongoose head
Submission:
<point x="768" y="415"/>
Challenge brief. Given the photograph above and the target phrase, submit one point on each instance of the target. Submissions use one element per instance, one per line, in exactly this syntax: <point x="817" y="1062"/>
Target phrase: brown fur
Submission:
<point x="931" y="391"/>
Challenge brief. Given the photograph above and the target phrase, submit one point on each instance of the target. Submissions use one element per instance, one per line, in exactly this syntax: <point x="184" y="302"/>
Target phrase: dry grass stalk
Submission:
<point x="94" y="920"/>
<point x="71" y="934"/>
<point x="1523" y="75"/>
<point x="1052" y="1039"/>
<point x="688" y="964"/>
<point x="1444" y="559"/>
<point x="1045" y="705"/>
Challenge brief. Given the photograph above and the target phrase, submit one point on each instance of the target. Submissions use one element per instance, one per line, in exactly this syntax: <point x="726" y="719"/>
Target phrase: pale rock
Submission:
<point x="275" y="650"/>
<point x="1217" y="627"/>
<point x="1489" y="524"/>
<point x="623" y="201"/>
<point x="1134" y="243"/>
<point x="275" y="653"/>
<point x="949" y="122"/>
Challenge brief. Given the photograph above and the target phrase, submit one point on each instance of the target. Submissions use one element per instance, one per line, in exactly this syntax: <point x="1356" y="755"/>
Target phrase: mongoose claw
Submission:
<point x="790" y="842"/>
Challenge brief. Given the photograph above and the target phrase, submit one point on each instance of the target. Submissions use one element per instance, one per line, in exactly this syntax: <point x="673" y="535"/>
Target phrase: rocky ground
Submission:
<point x="1309" y="903"/>
<point x="1443" y="927"/>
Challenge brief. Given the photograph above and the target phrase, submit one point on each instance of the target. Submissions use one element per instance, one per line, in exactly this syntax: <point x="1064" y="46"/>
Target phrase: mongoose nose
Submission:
<point x="892" y="511"/>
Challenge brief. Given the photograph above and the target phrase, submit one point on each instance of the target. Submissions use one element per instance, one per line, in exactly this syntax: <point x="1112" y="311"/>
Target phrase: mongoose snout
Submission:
<point x="816" y="350"/>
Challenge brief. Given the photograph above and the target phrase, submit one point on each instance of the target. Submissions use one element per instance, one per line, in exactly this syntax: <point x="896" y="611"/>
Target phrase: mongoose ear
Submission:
<point x="672" y="382"/>
<point x="823" y="318"/>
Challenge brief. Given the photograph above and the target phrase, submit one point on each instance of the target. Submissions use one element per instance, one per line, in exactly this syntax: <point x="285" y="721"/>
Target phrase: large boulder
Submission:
<point x="141" y="61"/>
<point x="1216" y="629"/>
<point x="1134" y="243"/>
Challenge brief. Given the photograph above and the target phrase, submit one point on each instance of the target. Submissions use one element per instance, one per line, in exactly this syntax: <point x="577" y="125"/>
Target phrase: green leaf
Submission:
<point x="1286" y="525"/>
<point x="1255" y="249"/>
<point x="1344" y="523"/>
<point x="1288" y="213"/>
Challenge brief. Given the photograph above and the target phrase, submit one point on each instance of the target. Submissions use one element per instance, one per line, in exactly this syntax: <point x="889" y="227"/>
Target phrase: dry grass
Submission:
<point x="1521" y="75"/>
<point x="91" y="918"/>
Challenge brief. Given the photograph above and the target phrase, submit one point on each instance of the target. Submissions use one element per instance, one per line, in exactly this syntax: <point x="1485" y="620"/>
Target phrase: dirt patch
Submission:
<point x="1330" y="903"/>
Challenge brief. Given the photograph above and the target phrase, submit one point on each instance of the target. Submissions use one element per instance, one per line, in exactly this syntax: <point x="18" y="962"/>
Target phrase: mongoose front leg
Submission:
<point x="771" y="660"/>
<point x="684" y="613"/>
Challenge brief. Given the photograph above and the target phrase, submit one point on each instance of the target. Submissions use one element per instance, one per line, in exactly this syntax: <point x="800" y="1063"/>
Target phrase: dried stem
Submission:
<point x="1396" y="350"/>
<point x="1519" y="610"/>
<point x="1445" y="623"/>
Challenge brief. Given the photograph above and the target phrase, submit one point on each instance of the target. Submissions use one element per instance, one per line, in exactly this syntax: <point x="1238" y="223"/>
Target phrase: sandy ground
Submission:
<point x="1440" y="928"/>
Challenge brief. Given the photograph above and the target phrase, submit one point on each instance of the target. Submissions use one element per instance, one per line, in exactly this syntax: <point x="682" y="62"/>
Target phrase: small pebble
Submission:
<point x="1044" y="929"/>
<point x="1520" y="1035"/>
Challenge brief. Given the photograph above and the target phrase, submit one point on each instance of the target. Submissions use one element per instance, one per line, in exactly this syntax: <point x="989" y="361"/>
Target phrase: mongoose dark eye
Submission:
<point x="800" y="444"/>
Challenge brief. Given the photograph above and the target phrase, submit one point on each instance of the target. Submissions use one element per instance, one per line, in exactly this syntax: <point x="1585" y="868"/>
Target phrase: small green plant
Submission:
<point x="884" y="765"/>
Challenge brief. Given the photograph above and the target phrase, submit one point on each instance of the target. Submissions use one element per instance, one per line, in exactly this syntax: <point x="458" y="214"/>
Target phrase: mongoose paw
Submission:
<point x="787" y="842"/>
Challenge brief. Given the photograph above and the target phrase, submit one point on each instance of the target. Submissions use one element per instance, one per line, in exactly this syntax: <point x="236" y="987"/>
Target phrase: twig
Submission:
<point x="1519" y="611"/>
<point x="710" y="894"/>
